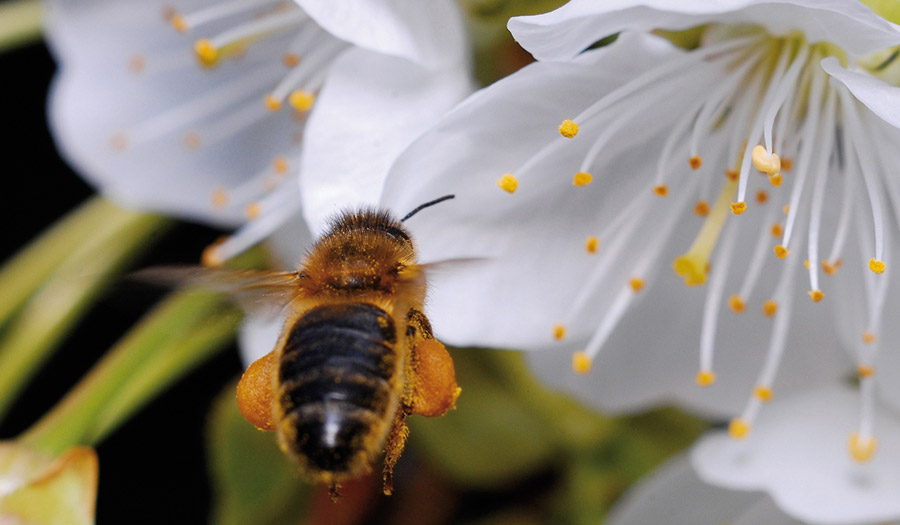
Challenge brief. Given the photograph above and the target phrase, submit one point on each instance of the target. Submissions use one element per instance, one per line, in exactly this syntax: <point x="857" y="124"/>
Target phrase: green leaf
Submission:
<point x="253" y="481"/>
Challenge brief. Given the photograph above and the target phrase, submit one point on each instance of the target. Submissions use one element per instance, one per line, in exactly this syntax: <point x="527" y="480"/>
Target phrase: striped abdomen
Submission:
<point x="335" y="377"/>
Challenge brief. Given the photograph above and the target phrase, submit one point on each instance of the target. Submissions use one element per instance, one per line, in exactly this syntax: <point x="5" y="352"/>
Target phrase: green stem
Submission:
<point x="20" y="23"/>
<point x="27" y="270"/>
<point x="66" y="295"/>
<point x="176" y="336"/>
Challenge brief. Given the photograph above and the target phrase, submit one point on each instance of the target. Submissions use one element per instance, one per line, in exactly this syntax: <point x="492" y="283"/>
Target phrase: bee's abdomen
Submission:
<point x="335" y="379"/>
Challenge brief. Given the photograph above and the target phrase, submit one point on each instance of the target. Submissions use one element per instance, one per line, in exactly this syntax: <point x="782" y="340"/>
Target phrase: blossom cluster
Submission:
<point x="708" y="224"/>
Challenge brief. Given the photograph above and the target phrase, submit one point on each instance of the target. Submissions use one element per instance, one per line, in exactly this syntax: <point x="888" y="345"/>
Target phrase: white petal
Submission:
<point x="567" y="31"/>
<point x="674" y="494"/>
<point x="371" y="108"/>
<point x="797" y="452"/>
<point x="257" y="337"/>
<point x="882" y="98"/>
<point x="428" y="33"/>
<point x="464" y="155"/>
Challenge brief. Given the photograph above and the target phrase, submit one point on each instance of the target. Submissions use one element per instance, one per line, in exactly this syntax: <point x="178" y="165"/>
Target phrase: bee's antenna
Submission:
<point x="427" y="204"/>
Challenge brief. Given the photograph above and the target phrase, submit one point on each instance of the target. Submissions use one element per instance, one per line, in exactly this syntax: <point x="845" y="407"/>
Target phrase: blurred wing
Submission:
<point x="256" y="291"/>
<point x="459" y="264"/>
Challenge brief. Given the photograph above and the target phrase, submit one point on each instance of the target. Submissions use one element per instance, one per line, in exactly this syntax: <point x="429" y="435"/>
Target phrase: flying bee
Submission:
<point x="356" y="355"/>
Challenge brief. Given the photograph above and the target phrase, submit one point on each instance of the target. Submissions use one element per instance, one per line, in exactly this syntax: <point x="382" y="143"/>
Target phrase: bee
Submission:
<point x="356" y="355"/>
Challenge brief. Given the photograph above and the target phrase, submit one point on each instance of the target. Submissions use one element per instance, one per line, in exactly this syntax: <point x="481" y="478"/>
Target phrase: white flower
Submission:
<point x="200" y="108"/>
<point x="623" y="163"/>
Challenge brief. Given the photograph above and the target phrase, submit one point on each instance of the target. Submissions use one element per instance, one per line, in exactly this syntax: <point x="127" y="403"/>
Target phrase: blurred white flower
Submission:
<point x="620" y="164"/>
<point x="200" y="109"/>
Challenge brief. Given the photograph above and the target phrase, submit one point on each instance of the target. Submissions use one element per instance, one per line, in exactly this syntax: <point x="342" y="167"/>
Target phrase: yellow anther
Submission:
<point x="219" y="198"/>
<point x="301" y="100"/>
<point x="865" y="371"/>
<point x="636" y="283"/>
<point x="119" y="142"/>
<point x="806" y="263"/>
<point x="179" y="23"/>
<point x="662" y="190"/>
<point x="786" y="209"/>
<point x="764" y="161"/>
<point x="192" y="140"/>
<point x="761" y="197"/>
<point x="876" y="265"/>
<point x="290" y="60"/>
<point x="272" y="103"/>
<point x="786" y="164"/>
<point x="738" y="208"/>
<point x="559" y="332"/>
<point x="763" y="393"/>
<point x="701" y="208"/>
<point x="776" y="180"/>
<point x="582" y="178"/>
<point x="816" y="295"/>
<point x="705" y="378"/>
<point x="777" y="230"/>
<point x="581" y="363"/>
<point x="280" y="164"/>
<point x="738" y="428"/>
<point x="568" y="129"/>
<point x="770" y="307"/>
<point x="206" y="52"/>
<point x="136" y="64"/>
<point x="211" y="256"/>
<point x="838" y="263"/>
<point x="696" y="161"/>
<point x="508" y="183"/>
<point x="591" y="244"/>
<point x="781" y="252"/>
<point x="252" y="210"/>
<point x="829" y="268"/>
<point x="693" y="266"/>
<point x="868" y="337"/>
<point x="732" y="175"/>
<point x="736" y="304"/>
<point x="861" y="449"/>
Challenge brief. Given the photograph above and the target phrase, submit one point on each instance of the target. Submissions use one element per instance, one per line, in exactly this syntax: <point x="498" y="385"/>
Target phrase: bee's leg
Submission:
<point x="434" y="389"/>
<point x="334" y="491"/>
<point x="255" y="395"/>
<point x="393" y="447"/>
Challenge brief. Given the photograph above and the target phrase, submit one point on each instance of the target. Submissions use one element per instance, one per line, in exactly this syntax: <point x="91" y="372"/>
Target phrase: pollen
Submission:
<point x="806" y="263"/>
<point x="691" y="268"/>
<point x="876" y="266"/>
<point x="119" y="142"/>
<point x="192" y="140"/>
<point x="581" y="363"/>
<point x="582" y="178"/>
<point x="777" y="230"/>
<point x="301" y="100"/>
<point x="769" y="308"/>
<point x="761" y="197"/>
<point x="280" y="164"/>
<point x="290" y="60"/>
<point x="763" y="393"/>
<point x="206" y="52"/>
<point x="776" y="180"/>
<point x="568" y="128"/>
<point x="738" y="208"/>
<point x="592" y="244"/>
<point x="861" y="449"/>
<point x="136" y="64"/>
<point x="732" y="175"/>
<point x="211" y="257"/>
<point x="179" y="23"/>
<point x="559" y="332"/>
<point x="764" y="161"/>
<point x="636" y="283"/>
<point x="272" y="103"/>
<point x="738" y="428"/>
<point x="705" y="378"/>
<point x="865" y="371"/>
<point x="219" y="198"/>
<point x="781" y="252"/>
<point x="786" y="209"/>
<point x="816" y="295"/>
<point x="868" y="337"/>
<point x="828" y="268"/>
<point x="662" y="190"/>
<point x="252" y="210"/>
<point x="696" y="161"/>
<point x="701" y="208"/>
<point x="786" y="164"/>
<point x="508" y="183"/>
<point x="736" y="304"/>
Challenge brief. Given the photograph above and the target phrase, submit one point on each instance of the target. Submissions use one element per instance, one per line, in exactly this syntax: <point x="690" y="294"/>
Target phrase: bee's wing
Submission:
<point x="256" y="291"/>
